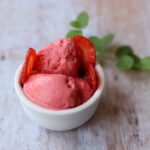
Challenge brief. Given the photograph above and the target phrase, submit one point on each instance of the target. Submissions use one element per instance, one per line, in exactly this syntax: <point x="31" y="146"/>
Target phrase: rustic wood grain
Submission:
<point x="122" y="121"/>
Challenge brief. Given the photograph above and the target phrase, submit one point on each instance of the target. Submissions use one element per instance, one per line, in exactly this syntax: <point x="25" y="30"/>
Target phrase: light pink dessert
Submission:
<point x="60" y="75"/>
<point x="56" y="91"/>
<point x="58" y="57"/>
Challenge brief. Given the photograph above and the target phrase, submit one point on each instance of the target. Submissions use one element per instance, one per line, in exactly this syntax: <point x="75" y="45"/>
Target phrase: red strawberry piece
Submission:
<point x="91" y="77"/>
<point x="85" y="50"/>
<point x="28" y="65"/>
<point x="87" y="56"/>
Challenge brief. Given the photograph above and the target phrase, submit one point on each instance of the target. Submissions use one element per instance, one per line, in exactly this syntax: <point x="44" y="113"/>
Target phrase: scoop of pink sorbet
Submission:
<point x="58" y="57"/>
<point x="56" y="91"/>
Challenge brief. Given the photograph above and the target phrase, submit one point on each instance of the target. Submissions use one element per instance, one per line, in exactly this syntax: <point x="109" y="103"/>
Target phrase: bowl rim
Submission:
<point x="80" y="108"/>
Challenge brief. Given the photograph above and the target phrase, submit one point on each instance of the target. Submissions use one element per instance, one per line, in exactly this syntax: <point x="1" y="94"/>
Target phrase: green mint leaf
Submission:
<point x="96" y="42"/>
<point x="75" y="24"/>
<point x="144" y="63"/>
<point x="101" y="43"/>
<point x="127" y="51"/>
<point x="136" y="58"/>
<point x="83" y="18"/>
<point x="108" y="38"/>
<point x="93" y="38"/>
<point x="73" y="33"/>
<point x="124" y="50"/>
<point x="81" y="21"/>
<point x="105" y="41"/>
<point x="125" y="62"/>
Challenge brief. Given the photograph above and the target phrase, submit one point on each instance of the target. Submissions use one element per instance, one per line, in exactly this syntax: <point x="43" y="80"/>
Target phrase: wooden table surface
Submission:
<point x="122" y="121"/>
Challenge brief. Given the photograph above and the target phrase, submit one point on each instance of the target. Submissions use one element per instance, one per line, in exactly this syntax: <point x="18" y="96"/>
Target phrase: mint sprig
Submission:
<point x="138" y="63"/>
<point x="73" y="33"/>
<point x="124" y="50"/>
<point x="78" y="25"/>
<point x="81" y="21"/>
<point x="101" y="43"/>
<point x="144" y="64"/>
<point x="125" y="56"/>
<point x="125" y="62"/>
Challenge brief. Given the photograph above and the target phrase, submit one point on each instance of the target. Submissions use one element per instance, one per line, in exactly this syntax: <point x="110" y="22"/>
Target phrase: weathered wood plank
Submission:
<point x="122" y="121"/>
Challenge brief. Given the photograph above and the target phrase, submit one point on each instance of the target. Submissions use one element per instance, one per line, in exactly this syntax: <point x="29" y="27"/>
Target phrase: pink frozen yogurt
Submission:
<point x="56" y="84"/>
<point x="58" y="57"/>
<point x="56" y="91"/>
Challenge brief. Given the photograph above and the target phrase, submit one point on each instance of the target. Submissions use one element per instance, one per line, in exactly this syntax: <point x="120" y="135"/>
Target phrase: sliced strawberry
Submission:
<point x="28" y="65"/>
<point x="85" y="50"/>
<point x="87" y="56"/>
<point x="91" y="77"/>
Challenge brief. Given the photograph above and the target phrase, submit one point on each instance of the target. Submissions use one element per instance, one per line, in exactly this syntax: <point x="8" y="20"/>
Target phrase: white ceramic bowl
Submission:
<point x="60" y="120"/>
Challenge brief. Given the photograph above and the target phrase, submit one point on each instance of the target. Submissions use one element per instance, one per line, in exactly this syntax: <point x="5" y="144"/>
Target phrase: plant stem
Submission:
<point x="102" y="56"/>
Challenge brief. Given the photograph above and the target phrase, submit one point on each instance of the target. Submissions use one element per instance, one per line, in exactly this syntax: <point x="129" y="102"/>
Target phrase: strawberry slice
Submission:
<point x="91" y="77"/>
<point x="85" y="50"/>
<point x="28" y="65"/>
<point x="87" y="56"/>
